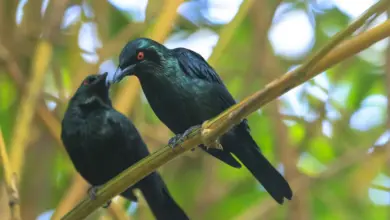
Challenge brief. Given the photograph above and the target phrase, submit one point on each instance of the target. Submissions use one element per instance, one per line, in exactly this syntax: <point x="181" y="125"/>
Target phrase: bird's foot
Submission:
<point x="174" y="140"/>
<point x="180" y="138"/>
<point x="107" y="204"/>
<point x="92" y="191"/>
<point x="214" y="144"/>
<point x="210" y="144"/>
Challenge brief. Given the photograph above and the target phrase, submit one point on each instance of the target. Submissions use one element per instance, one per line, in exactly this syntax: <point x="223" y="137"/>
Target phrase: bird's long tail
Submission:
<point x="159" y="199"/>
<point x="245" y="148"/>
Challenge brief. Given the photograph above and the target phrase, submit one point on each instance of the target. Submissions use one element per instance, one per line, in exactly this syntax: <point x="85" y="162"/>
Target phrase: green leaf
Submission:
<point x="296" y="133"/>
<point x="320" y="148"/>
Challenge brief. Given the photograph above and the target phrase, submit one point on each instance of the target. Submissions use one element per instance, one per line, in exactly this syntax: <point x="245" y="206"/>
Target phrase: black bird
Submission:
<point x="102" y="142"/>
<point x="184" y="91"/>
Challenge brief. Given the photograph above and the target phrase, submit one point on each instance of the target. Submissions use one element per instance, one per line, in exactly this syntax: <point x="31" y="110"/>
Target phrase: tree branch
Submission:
<point x="295" y="77"/>
<point x="380" y="187"/>
<point x="225" y="121"/>
<point x="10" y="181"/>
<point x="373" y="11"/>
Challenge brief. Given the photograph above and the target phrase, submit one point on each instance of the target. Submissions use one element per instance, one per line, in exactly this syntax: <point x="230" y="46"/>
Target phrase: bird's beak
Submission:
<point x="120" y="74"/>
<point x="102" y="79"/>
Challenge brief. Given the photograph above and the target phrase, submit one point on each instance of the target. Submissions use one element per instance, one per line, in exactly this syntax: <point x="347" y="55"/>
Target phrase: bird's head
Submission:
<point x="140" y="57"/>
<point x="92" y="87"/>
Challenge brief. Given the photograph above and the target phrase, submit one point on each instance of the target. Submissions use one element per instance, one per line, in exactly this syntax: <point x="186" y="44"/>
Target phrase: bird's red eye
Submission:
<point x="140" y="56"/>
<point x="85" y="82"/>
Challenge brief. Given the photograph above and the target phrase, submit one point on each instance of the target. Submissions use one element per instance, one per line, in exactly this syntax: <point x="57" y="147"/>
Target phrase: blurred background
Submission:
<point x="327" y="136"/>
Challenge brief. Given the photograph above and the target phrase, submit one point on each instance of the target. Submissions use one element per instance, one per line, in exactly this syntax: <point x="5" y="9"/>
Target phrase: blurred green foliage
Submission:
<point x="290" y="130"/>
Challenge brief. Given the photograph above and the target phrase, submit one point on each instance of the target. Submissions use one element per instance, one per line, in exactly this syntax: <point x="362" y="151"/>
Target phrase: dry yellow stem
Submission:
<point x="10" y="181"/>
<point x="28" y="104"/>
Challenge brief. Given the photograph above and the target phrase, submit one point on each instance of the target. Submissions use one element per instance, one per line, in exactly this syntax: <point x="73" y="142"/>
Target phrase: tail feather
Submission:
<point x="247" y="151"/>
<point x="128" y="194"/>
<point x="160" y="201"/>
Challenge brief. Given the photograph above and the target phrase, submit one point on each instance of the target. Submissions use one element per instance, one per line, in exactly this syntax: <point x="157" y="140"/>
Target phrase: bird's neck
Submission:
<point x="83" y="109"/>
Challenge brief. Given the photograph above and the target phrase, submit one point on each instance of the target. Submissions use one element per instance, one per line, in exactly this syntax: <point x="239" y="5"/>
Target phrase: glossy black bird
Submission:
<point x="184" y="91"/>
<point x="102" y="142"/>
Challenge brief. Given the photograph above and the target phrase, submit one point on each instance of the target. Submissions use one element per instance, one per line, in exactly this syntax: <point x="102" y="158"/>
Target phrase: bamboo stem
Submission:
<point x="10" y="181"/>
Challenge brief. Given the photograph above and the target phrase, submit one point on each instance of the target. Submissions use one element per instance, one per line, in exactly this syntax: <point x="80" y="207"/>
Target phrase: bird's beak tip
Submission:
<point x="109" y="79"/>
<point x="119" y="74"/>
<point x="114" y="77"/>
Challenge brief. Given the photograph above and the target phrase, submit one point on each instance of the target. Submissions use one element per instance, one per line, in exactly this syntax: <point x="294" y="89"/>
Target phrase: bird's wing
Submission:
<point x="127" y="135"/>
<point x="218" y="97"/>
<point x="194" y="66"/>
<point x="129" y="144"/>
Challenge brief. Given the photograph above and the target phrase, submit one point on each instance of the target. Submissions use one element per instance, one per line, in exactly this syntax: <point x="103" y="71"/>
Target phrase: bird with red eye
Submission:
<point x="89" y="80"/>
<point x="140" y="55"/>
<point x="94" y="78"/>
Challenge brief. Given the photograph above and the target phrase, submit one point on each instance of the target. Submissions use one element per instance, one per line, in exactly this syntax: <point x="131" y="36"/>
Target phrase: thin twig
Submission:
<point x="375" y="10"/>
<point x="272" y="90"/>
<point x="10" y="181"/>
<point x="384" y="188"/>
<point x="53" y="98"/>
<point x="295" y="77"/>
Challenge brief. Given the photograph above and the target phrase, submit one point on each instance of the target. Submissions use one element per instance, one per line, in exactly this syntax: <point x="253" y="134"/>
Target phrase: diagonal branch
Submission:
<point x="380" y="187"/>
<point x="10" y="181"/>
<point x="227" y="119"/>
<point x="373" y="11"/>
<point x="299" y="75"/>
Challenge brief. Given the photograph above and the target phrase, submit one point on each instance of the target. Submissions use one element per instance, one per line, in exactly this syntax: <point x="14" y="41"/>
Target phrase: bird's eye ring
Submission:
<point x="89" y="80"/>
<point x="140" y="55"/>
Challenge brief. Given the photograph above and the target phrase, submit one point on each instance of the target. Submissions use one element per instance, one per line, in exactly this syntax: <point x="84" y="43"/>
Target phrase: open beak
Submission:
<point x="120" y="74"/>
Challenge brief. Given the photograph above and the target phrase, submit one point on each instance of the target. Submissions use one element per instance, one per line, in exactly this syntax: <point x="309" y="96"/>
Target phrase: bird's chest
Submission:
<point x="93" y="150"/>
<point x="175" y="104"/>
